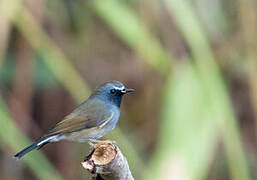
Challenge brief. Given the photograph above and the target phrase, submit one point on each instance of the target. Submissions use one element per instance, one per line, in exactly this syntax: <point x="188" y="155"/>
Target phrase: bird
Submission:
<point x="91" y="120"/>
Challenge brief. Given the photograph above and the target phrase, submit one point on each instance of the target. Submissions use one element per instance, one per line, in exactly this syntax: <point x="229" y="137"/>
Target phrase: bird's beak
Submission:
<point x="128" y="90"/>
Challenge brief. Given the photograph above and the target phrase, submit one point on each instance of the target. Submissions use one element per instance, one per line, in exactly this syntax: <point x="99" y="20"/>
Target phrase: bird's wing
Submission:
<point x="85" y="116"/>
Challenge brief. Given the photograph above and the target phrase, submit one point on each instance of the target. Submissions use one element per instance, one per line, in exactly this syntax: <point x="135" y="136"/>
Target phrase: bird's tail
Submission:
<point x="37" y="144"/>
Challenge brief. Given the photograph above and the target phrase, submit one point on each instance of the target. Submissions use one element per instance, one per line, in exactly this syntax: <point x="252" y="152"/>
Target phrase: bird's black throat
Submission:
<point x="108" y="98"/>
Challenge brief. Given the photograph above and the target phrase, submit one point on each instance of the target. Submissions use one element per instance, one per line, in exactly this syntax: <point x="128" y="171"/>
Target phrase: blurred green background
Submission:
<point x="193" y="65"/>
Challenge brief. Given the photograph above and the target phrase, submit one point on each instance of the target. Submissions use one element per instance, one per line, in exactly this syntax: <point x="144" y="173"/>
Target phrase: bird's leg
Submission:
<point x="93" y="142"/>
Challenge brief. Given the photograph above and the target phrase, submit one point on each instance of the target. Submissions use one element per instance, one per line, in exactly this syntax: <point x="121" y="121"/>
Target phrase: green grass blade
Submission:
<point x="187" y="133"/>
<point x="212" y="79"/>
<point x="12" y="137"/>
<point x="132" y="31"/>
<point x="61" y="67"/>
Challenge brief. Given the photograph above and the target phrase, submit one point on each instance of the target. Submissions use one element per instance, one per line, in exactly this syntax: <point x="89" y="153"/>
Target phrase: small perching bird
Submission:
<point x="91" y="120"/>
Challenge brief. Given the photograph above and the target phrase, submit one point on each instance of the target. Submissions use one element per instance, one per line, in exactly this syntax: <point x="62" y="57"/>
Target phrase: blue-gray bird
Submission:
<point x="91" y="120"/>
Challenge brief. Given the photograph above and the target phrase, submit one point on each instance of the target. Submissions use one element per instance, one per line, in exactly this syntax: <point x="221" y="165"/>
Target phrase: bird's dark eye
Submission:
<point x="113" y="91"/>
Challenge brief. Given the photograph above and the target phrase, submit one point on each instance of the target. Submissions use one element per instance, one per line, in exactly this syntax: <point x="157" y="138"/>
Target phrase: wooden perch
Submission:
<point x="107" y="161"/>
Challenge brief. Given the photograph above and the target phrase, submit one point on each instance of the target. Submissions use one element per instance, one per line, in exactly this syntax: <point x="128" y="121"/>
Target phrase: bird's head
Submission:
<point x="111" y="92"/>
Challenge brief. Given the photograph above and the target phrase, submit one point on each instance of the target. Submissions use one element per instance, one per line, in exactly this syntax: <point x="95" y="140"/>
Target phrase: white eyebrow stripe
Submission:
<point x="119" y="88"/>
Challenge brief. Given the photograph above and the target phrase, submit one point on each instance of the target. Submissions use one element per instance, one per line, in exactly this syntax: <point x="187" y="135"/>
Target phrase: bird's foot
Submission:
<point x="109" y="141"/>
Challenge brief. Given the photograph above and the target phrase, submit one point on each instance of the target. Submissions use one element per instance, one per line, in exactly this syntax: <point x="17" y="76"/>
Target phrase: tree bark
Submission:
<point x="107" y="162"/>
